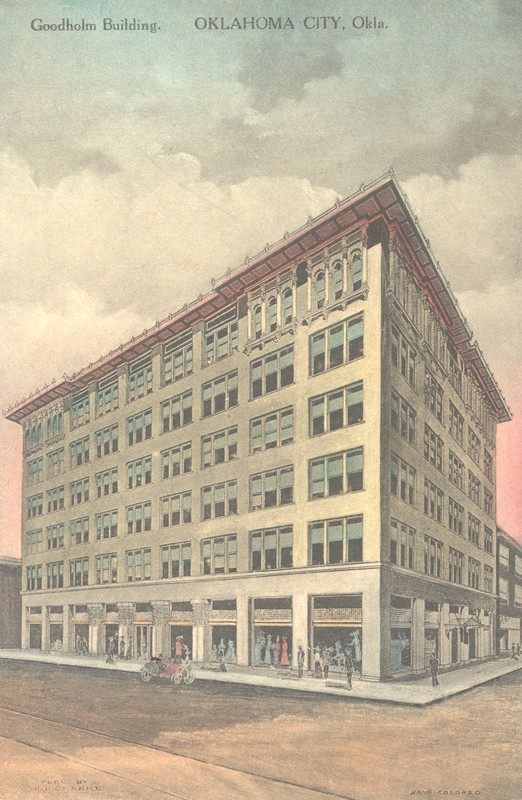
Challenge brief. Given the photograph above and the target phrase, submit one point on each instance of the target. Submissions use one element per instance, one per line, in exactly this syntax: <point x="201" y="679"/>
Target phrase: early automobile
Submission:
<point x="170" y="668"/>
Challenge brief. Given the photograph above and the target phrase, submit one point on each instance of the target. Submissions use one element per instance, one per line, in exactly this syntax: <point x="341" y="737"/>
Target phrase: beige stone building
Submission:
<point x="303" y="456"/>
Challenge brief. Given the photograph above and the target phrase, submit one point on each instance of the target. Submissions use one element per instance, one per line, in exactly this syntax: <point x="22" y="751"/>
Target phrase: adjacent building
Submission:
<point x="304" y="455"/>
<point x="11" y="606"/>
<point x="509" y="574"/>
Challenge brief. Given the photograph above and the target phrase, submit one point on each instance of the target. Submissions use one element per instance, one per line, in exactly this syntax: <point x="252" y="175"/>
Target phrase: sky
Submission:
<point x="135" y="166"/>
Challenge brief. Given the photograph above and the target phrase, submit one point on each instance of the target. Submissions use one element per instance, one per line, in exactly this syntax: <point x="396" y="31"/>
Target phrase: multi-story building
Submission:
<point x="509" y="586"/>
<point x="304" y="455"/>
<point x="11" y="608"/>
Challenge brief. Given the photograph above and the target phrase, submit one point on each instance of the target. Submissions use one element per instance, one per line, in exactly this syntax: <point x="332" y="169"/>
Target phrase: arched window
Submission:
<point x="319" y="290"/>
<point x="356" y="271"/>
<point x="338" y="279"/>
<point x="258" y="329"/>
<point x="272" y="314"/>
<point x="288" y="306"/>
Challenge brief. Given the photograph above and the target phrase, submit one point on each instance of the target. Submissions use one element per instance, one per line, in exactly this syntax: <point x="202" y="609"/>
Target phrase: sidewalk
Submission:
<point x="412" y="692"/>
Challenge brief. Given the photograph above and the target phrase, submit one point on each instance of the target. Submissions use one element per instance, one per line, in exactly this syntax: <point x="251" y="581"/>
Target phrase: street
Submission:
<point x="65" y="730"/>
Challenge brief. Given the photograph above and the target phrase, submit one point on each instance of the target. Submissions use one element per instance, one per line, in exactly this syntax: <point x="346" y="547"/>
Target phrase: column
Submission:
<point x="373" y="638"/>
<point x="242" y="630"/>
<point x="326" y="267"/>
<point x="66" y="623"/>
<point x="201" y="629"/>
<point x="417" y="634"/>
<point x="125" y="620"/>
<point x="294" y="293"/>
<point x="300" y="627"/>
<point x="364" y="244"/>
<point x="345" y="265"/>
<point x="445" y="641"/>
<point x="45" y="629"/>
<point x="309" y="272"/>
<point x="250" y="331"/>
<point x="96" y="619"/>
<point x="160" y="632"/>
<point x="24" y="642"/>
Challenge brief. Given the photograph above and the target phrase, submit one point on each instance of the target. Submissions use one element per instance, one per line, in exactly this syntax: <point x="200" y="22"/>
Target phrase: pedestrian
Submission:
<point x="434" y="669"/>
<point x="122" y="649"/>
<point x="110" y="651"/>
<point x="325" y="655"/>
<point x="300" y="661"/>
<point x="318" y="665"/>
<point x="348" y="666"/>
<point x="514" y="655"/>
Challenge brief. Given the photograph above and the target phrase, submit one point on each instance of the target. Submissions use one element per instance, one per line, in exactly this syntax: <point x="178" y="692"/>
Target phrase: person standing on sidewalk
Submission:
<point x="348" y="666"/>
<point x="326" y="661"/>
<point x="300" y="661"/>
<point x="434" y="669"/>
<point x="514" y="655"/>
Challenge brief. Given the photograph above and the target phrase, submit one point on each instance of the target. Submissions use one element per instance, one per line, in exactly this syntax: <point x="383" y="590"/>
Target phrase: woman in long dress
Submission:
<point x="284" y="652"/>
<point x="269" y="649"/>
<point x="277" y="650"/>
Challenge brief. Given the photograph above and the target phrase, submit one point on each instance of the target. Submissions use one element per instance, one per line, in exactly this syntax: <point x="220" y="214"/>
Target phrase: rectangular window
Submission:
<point x="34" y="541"/>
<point x="403" y="356"/>
<point x="403" y="417"/>
<point x="503" y="555"/>
<point x="518" y="564"/>
<point x="473" y="573"/>
<point x="55" y="575"/>
<point x="34" y="505"/>
<point x="433" y="501"/>
<point x="456" y="424"/>
<point x="178" y="360"/>
<point x="139" y="472"/>
<point x="79" y="530"/>
<point x="488" y="540"/>
<point x="474" y="530"/>
<point x="432" y="557"/>
<point x="402" y="544"/>
<point x="488" y="578"/>
<point x="176" y="412"/>
<point x="272" y="372"/>
<point x="34" y="471"/>
<point x="218" y="447"/>
<point x="56" y="499"/>
<point x="433" y="448"/>
<point x="32" y="435"/>
<point x="488" y="464"/>
<point x="474" y="446"/>
<point x="139" y="427"/>
<point x="473" y="488"/>
<point x="34" y="577"/>
<point x="518" y="595"/>
<point x="456" y="470"/>
<point x="433" y="396"/>
<point x="272" y="488"/>
<point x="139" y="381"/>
<point x="221" y="336"/>
<point x="219" y="500"/>
<point x="337" y="409"/>
<point x="177" y="460"/>
<point x="107" y="441"/>
<point x="137" y="565"/>
<point x="139" y="518"/>
<point x="79" y="452"/>
<point x="79" y="491"/>
<point x="79" y="572"/>
<point x="80" y="410"/>
<point x="55" y="536"/>
<point x="456" y="565"/>
<point x="402" y="480"/>
<point x="336" y="541"/>
<point x="337" y="345"/>
<point x="455" y="517"/>
<point x="55" y="424"/>
<point x="106" y="525"/>
<point x="272" y="430"/>
<point x="176" y="560"/>
<point x="107" y="395"/>
<point x="219" y="555"/>
<point x="455" y="372"/>
<point x="176" y="509"/>
<point x="271" y="548"/>
<point x="106" y="568"/>
<point x="503" y="587"/>
<point x="335" y="474"/>
<point x="488" y="502"/>
<point x="107" y="482"/>
<point x="55" y="462"/>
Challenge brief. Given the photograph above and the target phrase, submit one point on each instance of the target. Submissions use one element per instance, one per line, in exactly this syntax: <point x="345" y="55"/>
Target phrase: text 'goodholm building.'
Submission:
<point x="304" y="456"/>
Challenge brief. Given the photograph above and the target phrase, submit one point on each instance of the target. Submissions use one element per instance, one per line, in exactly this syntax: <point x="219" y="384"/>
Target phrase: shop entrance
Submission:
<point x="56" y="636"/>
<point x="400" y="649"/>
<point x="181" y="641"/>
<point x="454" y="645"/>
<point x="81" y="639"/>
<point x="35" y="637"/>
<point x="272" y="632"/>
<point x="472" y="643"/>
<point x="431" y="644"/>
<point x="111" y="638"/>
<point x="143" y="641"/>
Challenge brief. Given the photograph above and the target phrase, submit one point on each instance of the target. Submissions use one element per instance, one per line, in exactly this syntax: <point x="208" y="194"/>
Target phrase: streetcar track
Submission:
<point x="156" y="748"/>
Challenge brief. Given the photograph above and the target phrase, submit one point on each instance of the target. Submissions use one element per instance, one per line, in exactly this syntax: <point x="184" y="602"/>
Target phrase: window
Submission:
<point x="216" y="448"/>
<point x="433" y="501"/>
<point x="107" y="395"/>
<point x="488" y="464"/>
<point x="473" y="573"/>
<point x="402" y="480"/>
<point x="456" y="565"/>
<point x="139" y="472"/>
<point x="139" y="382"/>
<point x="139" y="518"/>
<point x="107" y="568"/>
<point x="219" y="555"/>
<point x="335" y="474"/>
<point x="402" y="544"/>
<point x="336" y="541"/>
<point x="456" y="470"/>
<point x="518" y="564"/>
<point x="55" y="575"/>
<point x="257" y="318"/>
<point x="474" y="530"/>
<point x="221" y="336"/>
<point x="271" y="549"/>
<point x="79" y="491"/>
<point x="403" y="356"/>
<point x="503" y="590"/>
<point x="139" y="427"/>
<point x="271" y="314"/>
<point x="176" y="509"/>
<point x="107" y="482"/>
<point x="34" y="471"/>
<point x="220" y="394"/>
<point x="488" y="502"/>
<point x="503" y="555"/>
<point x="432" y="557"/>
<point x="488" y="540"/>
<point x="79" y="572"/>
<point x="473" y="488"/>
<point x="55" y="463"/>
<point x="272" y="372"/>
<point x="219" y="500"/>
<point x="34" y="505"/>
<point x="176" y="412"/>
<point x="80" y="410"/>
<point x="137" y="565"/>
<point x="272" y="430"/>
<point x="455" y="517"/>
<point x="177" y="460"/>
<point x="356" y="271"/>
<point x="55" y="538"/>
<point x="56" y="499"/>
<point x="456" y="426"/>
<point x="433" y="448"/>
<point x="79" y="452"/>
<point x="106" y="525"/>
<point x="34" y="577"/>
<point x="272" y="488"/>
<point x="473" y="446"/>
<point x="518" y="595"/>
<point x="433" y="395"/>
<point x="55" y="424"/>
<point x="455" y="372"/>
<point x="337" y="345"/>
<point x="319" y="289"/>
<point x="107" y="441"/>
<point x="79" y="530"/>
<point x="176" y="560"/>
<point x="403" y="417"/>
<point x="34" y="541"/>
<point x="287" y="306"/>
<point x="337" y="409"/>
<point x="178" y="359"/>
<point x="33" y="435"/>
<point x="488" y="578"/>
